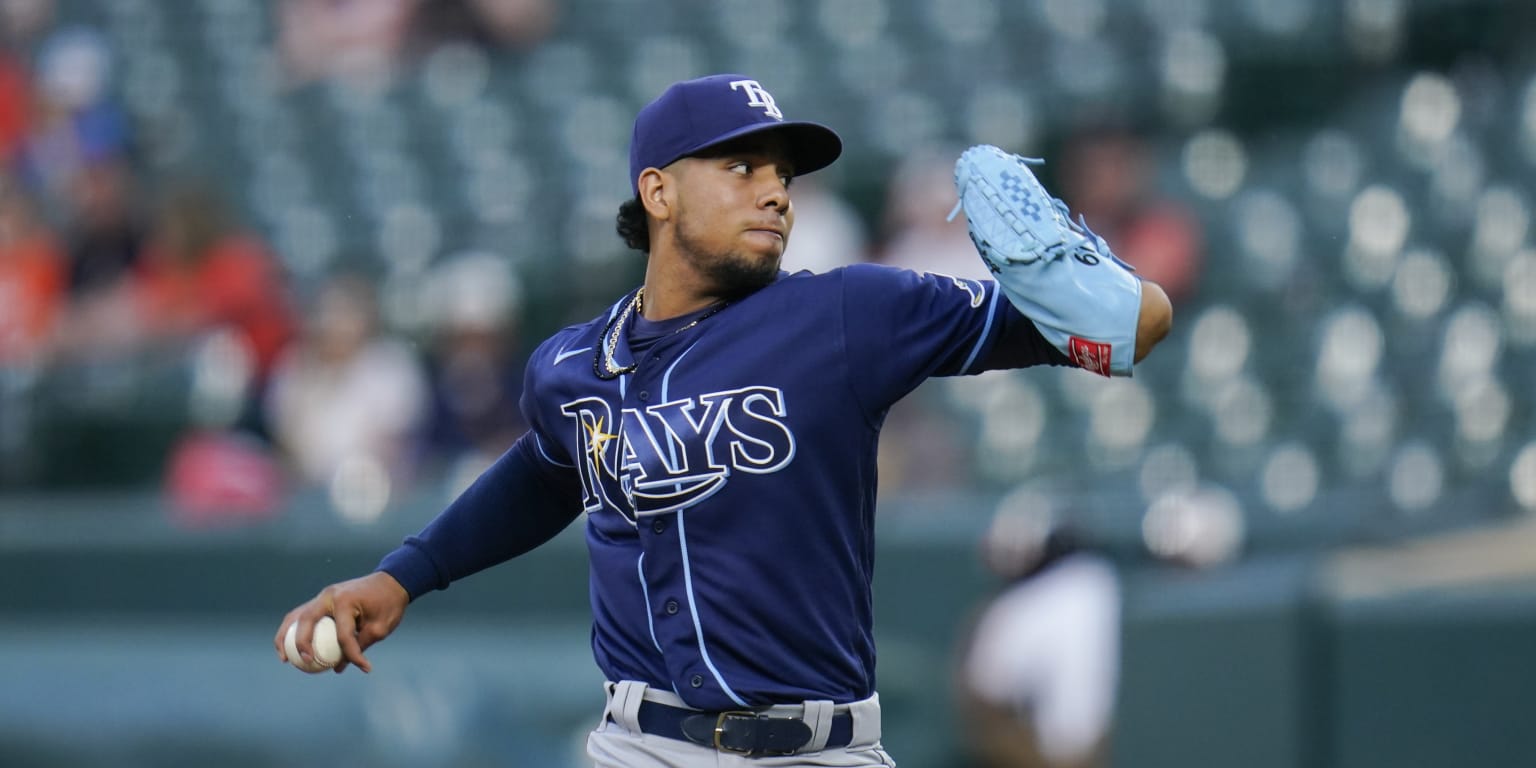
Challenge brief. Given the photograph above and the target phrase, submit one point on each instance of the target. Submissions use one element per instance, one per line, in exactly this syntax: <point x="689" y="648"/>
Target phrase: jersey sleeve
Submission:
<point x="544" y="443"/>
<point x="903" y="327"/>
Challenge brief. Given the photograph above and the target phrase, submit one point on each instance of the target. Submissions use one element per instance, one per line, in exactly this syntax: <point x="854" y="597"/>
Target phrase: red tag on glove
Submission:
<point x="1089" y="355"/>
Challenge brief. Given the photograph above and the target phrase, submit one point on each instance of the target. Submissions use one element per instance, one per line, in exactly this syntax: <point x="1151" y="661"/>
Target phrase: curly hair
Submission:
<point x="632" y="225"/>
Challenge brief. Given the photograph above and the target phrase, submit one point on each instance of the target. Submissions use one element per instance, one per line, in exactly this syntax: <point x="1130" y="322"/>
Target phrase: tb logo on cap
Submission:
<point x="758" y="97"/>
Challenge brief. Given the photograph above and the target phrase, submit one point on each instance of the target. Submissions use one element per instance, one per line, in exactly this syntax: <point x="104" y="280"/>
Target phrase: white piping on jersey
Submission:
<point x="666" y="383"/>
<point x="539" y="444"/>
<point x="991" y="313"/>
<point x="682" y="540"/>
<point x="693" y="609"/>
<point x="645" y="592"/>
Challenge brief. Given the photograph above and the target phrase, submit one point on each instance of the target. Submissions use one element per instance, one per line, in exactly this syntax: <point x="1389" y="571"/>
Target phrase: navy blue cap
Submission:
<point x="694" y="115"/>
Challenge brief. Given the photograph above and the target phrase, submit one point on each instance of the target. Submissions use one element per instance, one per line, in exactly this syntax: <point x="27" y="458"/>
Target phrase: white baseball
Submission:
<point x="327" y="649"/>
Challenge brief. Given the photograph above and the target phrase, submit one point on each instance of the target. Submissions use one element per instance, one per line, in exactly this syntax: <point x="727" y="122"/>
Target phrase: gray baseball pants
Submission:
<point x="618" y="742"/>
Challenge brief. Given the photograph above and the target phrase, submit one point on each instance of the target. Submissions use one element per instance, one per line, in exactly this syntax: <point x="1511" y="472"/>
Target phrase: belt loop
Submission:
<point x="818" y="715"/>
<point x="624" y="704"/>
<point x="866" y="721"/>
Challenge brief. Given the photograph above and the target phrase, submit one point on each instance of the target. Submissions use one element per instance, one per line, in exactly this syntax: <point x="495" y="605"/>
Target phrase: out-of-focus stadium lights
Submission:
<point x="1482" y="414"/>
<point x="1520" y="298"/>
<point x="853" y="22"/>
<point x="1378" y="226"/>
<point x="360" y="489"/>
<point x="1019" y="529"/>
<point x="1167" y="468"/>
<point x="481" y="127"/>
<point x="1010" y="434"/>
<point x="960" y="22"/>
<point x="1374" y="28"/>
<point x="1242" y="409"/>
<point x="1349" y="351"/>
<point x="1430" y="111"/>
<point x="1528" y="120"/>
<point x="1290" y="478"/>
<point x="307" y="240"/>
<point x="1219" y="344"/>
<point x="409" y="236"/>
<point x="1458" y="172"/>
<point x="1176" y="13"/>
<point x="1269" y="233"/>
<point x="1120" y="419"/>
<point x="1417" y="476"/>
<point x="1422" y="285"/>
<point x="1076" y="19"/>
<point x="1002" y="116"/>
<point x="1502" y="219"/>
<point x="1203" y="527"/>
<point x="752" y="24"/>
<point x="1193" y="67"/>
<point x="1333" y="164"/>
<point x="1470" y="348"/>
<point x="1214" y="163"/>
<point x="1367" y="434"/>
<point x="1522" y="477"/>
<point x="455" y="75"/>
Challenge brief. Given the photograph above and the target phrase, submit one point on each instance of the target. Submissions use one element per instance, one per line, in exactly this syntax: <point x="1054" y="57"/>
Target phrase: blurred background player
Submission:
<point x="1039" y="670"/>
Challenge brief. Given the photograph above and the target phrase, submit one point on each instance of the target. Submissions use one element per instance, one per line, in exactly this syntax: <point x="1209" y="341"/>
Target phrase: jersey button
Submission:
<point x="659" y="526"/>
<point x="644" y="396"/>
<point x="671" y="608"/>
<point x="697" y="681"/>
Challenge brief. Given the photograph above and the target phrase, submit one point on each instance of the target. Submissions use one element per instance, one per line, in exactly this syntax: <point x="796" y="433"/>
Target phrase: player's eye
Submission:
<point x="740" y="166"/>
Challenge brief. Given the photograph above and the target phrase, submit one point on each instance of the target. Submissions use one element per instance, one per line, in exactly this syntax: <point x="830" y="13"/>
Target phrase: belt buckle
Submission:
<point x="720" y="730"/>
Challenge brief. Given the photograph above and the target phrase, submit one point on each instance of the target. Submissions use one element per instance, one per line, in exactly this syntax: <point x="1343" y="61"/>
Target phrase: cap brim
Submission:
<point x="812" y="146"/>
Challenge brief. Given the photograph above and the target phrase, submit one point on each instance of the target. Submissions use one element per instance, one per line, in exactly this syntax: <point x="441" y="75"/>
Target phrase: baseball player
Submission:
<point x="717" y="428"/>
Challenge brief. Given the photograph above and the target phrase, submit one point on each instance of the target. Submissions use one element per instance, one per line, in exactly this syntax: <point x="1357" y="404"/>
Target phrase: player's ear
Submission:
<point x="655" y="190"/>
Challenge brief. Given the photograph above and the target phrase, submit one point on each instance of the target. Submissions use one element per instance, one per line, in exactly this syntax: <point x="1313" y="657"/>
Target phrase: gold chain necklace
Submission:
<point x="603" y="362"/>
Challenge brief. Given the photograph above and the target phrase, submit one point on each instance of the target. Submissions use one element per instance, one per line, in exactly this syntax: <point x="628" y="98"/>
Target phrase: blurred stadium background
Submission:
<point x="267" y="272"/>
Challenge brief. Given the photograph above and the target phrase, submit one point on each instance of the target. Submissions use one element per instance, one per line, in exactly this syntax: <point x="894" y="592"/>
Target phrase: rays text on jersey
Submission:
<point x="671" y="455"/>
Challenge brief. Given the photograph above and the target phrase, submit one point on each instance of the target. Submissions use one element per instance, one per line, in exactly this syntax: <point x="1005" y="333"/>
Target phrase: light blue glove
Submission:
<point x="1055" y="271"/>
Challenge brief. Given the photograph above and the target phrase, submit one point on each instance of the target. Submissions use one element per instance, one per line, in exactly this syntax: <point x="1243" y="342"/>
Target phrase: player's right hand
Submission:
<point x="366" y="610"/>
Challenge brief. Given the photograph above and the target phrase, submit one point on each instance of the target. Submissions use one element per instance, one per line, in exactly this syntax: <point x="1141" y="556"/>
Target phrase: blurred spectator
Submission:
<point x="23" y="21"/>
<point x="828" y="232"/>
<point x="198" y="273"/>
<point x="106" y="235"/>
<point x="510" y="24"/>
<point x="342" y="40"/>
<point x="919" y="198"/>
<point x="345" y="390"/>
<point x="1038" y="674"/>
<point x="1107" y="176"/>
<point x="32" y="280"/>
<point x="476" y="364"/>
<point x="15" y="106"/>
<point x="72" y="121"/>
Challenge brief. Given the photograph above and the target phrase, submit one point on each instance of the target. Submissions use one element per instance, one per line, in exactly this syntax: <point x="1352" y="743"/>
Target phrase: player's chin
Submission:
<point x="745" y="273"/>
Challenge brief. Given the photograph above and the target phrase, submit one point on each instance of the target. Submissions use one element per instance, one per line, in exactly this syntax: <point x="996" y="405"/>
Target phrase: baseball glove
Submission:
<point x="1011" y="218"/>
<point x="1055" y="271"/>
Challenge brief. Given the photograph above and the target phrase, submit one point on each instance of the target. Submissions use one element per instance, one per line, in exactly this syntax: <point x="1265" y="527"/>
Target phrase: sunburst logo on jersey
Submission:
<point x="597" y="440"/>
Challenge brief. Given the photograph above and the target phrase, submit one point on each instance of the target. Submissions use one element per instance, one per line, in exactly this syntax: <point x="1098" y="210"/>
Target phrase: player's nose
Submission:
<point x="774" y="194"/>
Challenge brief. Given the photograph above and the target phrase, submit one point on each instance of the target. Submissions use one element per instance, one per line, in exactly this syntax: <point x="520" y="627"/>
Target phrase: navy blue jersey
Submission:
<point x="728" y="481"/>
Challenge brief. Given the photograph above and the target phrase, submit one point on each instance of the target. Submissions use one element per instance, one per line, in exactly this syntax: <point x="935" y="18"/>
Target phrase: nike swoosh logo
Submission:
<point x="563" y="355"/>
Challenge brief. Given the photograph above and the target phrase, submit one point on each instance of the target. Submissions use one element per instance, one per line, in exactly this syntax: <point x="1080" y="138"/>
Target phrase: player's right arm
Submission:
<point x="518" y="504"/>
